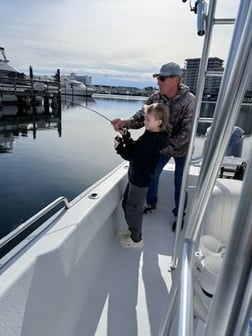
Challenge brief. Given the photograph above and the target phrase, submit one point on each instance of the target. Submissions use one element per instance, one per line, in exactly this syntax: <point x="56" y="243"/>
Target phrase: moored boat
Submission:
<point x="73" y="87"/>
<point x="7" y="72"/>
<point x="5" y="69"/>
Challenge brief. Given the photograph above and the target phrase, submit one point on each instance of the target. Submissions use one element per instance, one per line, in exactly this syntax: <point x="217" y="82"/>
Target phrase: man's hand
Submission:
<point x="118" y="124"/>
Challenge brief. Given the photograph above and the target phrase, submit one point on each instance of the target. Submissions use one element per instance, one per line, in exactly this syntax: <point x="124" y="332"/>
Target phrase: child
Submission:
<point x="143" y="155"/>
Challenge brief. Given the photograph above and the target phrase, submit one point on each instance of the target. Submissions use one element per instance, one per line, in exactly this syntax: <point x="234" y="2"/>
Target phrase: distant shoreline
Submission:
<point x="114" y="96"/>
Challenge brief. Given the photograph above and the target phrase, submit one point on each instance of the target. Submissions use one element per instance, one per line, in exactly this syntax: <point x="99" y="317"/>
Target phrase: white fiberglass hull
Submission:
<point x="76" y="279"/>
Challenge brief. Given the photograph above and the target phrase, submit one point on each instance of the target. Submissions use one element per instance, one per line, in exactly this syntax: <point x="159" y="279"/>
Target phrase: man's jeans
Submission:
<point x="153" y="187"/>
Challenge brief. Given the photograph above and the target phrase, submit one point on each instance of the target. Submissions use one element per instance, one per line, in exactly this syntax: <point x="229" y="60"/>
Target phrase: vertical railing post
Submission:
<point x="234" y="83"/>
<point x="185" y="319"/>
<point x="198" y="99"/>
<point x="235" y="80"/>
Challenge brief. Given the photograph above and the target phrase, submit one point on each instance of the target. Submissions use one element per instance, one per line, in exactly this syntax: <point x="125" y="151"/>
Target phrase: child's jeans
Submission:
<point x="133" y="203"/>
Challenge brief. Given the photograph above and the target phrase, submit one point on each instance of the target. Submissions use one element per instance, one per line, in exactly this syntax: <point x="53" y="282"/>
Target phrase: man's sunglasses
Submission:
<point x="163" y="78"/>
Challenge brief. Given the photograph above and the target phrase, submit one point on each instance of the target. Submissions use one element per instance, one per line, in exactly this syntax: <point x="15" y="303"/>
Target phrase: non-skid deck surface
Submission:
<point x="131" y="290"/>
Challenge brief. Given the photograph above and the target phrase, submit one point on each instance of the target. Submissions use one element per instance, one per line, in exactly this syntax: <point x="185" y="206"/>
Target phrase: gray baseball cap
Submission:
<point x="169" y="69"/>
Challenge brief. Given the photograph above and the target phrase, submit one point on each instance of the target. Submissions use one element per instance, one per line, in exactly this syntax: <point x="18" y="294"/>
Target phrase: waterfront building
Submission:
<point x="212" y="83"/>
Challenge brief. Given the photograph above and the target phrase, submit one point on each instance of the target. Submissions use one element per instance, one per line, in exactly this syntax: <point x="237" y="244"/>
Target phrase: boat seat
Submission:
<point x="221" y="209"/>
<point x="235" y="144"/>
<point x="216" y="229"/>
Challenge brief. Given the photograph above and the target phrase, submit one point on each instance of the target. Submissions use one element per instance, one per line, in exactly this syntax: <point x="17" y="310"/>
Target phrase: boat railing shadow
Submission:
<point x="112" y="301"/>
<point x="156" y="278"/>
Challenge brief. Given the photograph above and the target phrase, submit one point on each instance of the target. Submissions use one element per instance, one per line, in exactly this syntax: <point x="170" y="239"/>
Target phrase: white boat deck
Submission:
<point x="131" y="289"/>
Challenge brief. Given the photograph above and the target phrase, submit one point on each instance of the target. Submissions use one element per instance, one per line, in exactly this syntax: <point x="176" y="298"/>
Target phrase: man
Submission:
<point x="181" y="104"/>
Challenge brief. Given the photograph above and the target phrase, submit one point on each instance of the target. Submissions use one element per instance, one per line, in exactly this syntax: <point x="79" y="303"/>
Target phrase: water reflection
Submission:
<point x="69" y="100"/>
<point x="18" y="121"/>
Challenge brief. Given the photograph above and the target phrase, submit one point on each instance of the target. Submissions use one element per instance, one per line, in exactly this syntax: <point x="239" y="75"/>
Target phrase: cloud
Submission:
<point x="117" y="37"/>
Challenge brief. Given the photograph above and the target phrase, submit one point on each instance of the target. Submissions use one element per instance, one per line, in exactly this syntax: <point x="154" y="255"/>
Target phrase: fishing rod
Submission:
<point x="90" y="109"/>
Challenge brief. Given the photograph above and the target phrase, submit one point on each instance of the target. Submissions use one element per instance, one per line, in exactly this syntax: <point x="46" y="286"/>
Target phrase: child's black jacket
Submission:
<point x="143" y="155"/>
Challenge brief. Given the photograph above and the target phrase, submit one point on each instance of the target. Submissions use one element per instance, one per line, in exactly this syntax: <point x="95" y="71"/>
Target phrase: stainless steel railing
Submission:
<point x="185" y="324"/>
<point x="12" y="237"/>
<point x="199" y="95"/>
<point x="234" y="83"/>
<point x="234" y="290"/>
<point x="13" y="234"/>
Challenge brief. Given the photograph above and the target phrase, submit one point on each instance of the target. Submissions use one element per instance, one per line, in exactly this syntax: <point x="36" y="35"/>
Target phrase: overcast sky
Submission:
<point x="114" y="41"/>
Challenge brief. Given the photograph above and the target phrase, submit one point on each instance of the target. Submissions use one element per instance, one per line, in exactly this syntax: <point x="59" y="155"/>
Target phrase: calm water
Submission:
<point x="42" y="166"/>
<point x="62" y="157"/>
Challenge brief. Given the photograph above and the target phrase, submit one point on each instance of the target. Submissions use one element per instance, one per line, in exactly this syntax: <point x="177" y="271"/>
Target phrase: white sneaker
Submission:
<point x="124" y="233"/>
<point x="128" y="242"/>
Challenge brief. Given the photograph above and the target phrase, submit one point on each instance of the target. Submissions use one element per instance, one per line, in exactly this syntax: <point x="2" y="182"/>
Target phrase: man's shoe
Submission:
<point x="175" y="224"/>
<point x="174" y="211"/>
<point x="175" y="220"/>
<point x="149" y="209"/>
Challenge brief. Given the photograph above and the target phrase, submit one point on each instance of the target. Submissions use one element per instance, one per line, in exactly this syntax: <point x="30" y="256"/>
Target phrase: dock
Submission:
<point x="24" y="91"/>
<point x="28" y="104"/>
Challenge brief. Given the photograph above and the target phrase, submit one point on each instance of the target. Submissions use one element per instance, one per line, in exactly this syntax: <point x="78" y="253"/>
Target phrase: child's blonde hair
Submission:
<point x="160" y="111"/>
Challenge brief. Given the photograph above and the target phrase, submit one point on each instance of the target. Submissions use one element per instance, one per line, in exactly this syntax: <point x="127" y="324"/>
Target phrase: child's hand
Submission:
<point x="117" y="141"/>
<point x="123" y="131"/>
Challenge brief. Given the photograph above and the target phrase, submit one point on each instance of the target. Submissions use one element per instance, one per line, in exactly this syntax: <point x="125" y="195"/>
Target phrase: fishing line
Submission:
<point x="100" y="114"/>
<point x="90" y="109"/>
